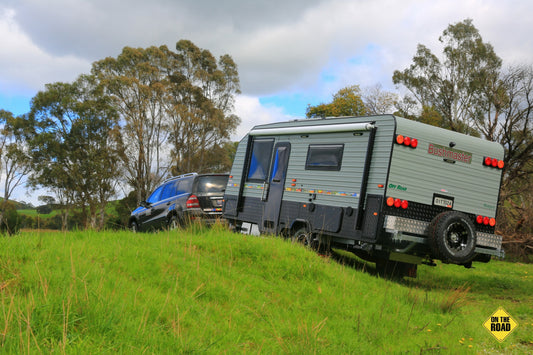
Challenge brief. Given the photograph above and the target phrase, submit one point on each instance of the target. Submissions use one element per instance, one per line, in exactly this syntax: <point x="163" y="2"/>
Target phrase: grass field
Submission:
<point x="209" y="290"/>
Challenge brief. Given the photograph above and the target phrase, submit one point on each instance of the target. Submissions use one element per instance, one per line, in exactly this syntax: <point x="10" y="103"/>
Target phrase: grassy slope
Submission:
<point x="216" y="291"/>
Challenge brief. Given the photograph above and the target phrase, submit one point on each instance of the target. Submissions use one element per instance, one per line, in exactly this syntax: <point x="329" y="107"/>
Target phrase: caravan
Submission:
<point x="391" y="190"/>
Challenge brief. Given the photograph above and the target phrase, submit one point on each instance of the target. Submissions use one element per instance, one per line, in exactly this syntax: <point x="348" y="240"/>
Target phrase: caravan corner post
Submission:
<point x="390" y="190"/>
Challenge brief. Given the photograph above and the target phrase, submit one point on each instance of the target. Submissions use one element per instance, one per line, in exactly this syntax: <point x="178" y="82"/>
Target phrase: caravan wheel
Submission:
<point x="303" y="236"/>
<point x="453" y="237"/>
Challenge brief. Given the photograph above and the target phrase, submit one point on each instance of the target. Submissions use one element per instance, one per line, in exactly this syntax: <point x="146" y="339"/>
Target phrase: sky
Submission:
<point x="289" y="53"/>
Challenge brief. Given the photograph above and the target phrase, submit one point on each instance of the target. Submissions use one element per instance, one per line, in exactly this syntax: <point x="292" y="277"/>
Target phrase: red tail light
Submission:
<point x="193" y="202"/>
<point x="396" y="202"/>
<point x="407" y="141"/>
<point x="486" y="220"/>
<point x="399" y="139"/>
<point x="493" y="162"/>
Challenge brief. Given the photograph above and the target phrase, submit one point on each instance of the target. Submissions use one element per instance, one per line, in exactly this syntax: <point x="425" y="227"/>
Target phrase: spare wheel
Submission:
<point x="453" y="237"/>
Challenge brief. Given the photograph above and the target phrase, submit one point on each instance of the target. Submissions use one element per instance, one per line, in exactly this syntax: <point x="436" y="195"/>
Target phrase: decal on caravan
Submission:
<point x="391" y="190"/>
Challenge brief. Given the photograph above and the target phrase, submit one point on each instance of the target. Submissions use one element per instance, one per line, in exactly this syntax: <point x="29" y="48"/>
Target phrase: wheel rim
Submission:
<point x="457" y="237"/>
<point x="173" y="223"/>
<point x="302" y="237"/>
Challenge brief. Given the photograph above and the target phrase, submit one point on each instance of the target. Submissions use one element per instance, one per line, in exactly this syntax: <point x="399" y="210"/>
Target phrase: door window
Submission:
<point x="155" y="196"/>
<point x="280" y="161"/>
<point x="169" y="190"/>
<point x="185" y="186"/>
<point x="260" y="159"/>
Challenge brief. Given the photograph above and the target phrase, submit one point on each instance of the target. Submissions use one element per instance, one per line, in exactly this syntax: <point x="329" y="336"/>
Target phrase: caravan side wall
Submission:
<point x="327" y="199"/>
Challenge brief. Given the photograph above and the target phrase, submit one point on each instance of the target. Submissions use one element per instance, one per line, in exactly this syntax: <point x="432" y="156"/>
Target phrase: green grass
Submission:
<point x="209" y="290"/>
<point x="34" y="213"/>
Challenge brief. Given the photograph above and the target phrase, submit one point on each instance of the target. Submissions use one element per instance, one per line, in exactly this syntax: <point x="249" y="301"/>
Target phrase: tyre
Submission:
<point x="173" y="223"/>
<point x="453" y="237"/>
<point x="134" y="227"/>
<point x="302" y="236"/>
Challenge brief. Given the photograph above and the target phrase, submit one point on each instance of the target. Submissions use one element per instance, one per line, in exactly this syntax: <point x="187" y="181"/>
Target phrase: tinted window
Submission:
<point x="155" y="196"/>
<point x="185" y="186"/>
<point x="212" y="184"/>
<point x="280" y="161"/>
<point x="169" y="190"/>
<point x="324" y="157"/>
<point x="260" y="159"/>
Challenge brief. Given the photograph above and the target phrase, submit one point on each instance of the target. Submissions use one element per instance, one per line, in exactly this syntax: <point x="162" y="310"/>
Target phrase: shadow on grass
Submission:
<point x="350" y="260"/>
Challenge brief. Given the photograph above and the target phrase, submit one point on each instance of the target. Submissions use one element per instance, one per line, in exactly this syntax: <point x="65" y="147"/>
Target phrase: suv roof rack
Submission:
<point x="179" y="177"/>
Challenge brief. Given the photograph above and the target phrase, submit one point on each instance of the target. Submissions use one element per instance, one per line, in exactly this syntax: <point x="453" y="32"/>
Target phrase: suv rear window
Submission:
<point x="211" y="184"/>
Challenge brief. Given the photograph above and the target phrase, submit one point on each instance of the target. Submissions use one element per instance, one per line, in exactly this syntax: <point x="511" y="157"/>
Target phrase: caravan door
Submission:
<point x="273" y="192"/>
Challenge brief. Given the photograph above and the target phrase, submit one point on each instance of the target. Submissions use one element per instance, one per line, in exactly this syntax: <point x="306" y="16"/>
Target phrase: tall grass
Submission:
<point x="209" y="290"/>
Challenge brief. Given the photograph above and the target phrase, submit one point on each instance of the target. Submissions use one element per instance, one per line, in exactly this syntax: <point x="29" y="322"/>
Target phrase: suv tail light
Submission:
<point x="193" y="202"/>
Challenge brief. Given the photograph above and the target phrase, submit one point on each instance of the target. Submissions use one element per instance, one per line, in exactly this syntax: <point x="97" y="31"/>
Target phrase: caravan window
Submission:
<point x="260" y="159"/>
<point x="324" y="157"/>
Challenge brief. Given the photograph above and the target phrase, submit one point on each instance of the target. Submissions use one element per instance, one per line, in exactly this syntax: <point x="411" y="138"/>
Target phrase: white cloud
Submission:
<point x="252" y="113"/>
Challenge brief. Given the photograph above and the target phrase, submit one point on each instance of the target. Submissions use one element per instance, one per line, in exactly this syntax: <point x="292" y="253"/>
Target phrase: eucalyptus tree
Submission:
<point x="13" y="159"/>
<point x="136" y="82"/>
<point x="201" y="97"/>
<point x="74" y="145"/>
<point x="451" y="86"/>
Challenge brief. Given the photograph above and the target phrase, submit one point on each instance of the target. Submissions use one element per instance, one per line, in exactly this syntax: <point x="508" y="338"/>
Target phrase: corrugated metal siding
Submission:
<point x="474" y="187"/>
<point x="232" y="188"/>
<point x="328" y="185"/>
<point x="381" y="154"/>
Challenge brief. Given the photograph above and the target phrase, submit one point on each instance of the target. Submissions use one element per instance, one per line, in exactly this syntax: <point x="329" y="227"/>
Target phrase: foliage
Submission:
<point x="176" y="107"/>
<point x="452" y="86"/>
<point x="378" y="101"/>
<point x="200" y="105"/>
<point x="346" y="102"/>
<point x="10" y="223"/>
<point x="73" y="136"/>
<point x="13" y="166"/>
<point x="211" y="291"/>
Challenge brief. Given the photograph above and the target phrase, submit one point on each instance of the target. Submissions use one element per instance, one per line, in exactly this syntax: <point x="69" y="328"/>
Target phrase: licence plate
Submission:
<point x="441" y="201"/>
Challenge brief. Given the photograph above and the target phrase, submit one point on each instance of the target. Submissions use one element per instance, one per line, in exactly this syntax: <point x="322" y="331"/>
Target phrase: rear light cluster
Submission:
<point x="486" y="221"/>
<point x="407" y="141"/>
<point x="396" y="202"/>
<point x="493" y="162"/>
<point x="193" y="202"/>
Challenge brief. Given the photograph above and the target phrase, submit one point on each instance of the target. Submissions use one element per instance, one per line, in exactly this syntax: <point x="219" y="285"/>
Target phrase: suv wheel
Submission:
<point x="134" y="227"/>
<point x="173" y="222"/>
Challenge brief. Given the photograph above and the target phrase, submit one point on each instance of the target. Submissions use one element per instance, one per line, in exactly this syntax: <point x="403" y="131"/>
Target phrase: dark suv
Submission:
<point x="179" y="200"/>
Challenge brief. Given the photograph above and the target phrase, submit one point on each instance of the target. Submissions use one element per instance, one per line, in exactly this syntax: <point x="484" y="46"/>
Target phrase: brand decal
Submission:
<point x="450" y="153"/>
<point x="397" y="187"/>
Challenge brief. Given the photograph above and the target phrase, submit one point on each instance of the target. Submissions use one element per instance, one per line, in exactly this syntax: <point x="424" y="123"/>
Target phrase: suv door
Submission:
<point x="146" y="216"/>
